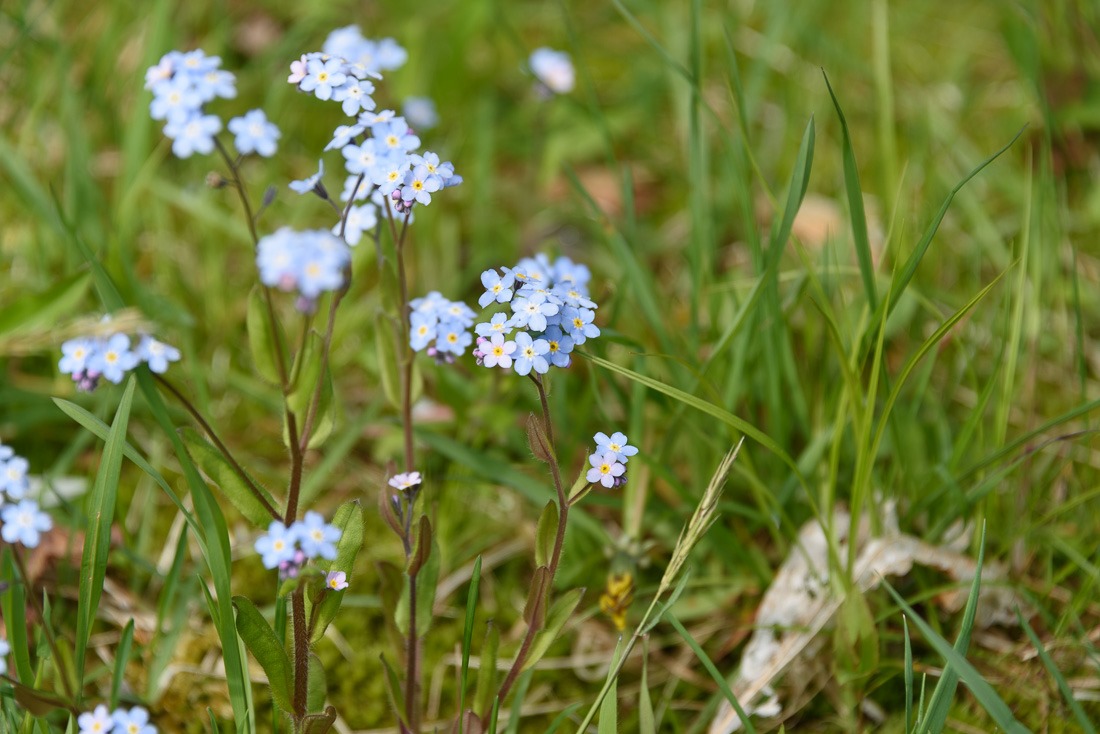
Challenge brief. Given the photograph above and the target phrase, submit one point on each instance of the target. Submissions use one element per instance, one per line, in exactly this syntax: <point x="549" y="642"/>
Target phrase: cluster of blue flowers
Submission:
<point x="440" y="326"/>
<point x="24" y="522"/>
<point x="102" y="721"/>
<point x="609" y="462"/>
<point x="379" y="148"/>
<point x="181" y="84"/>
<point x="287" y="549"/>
<point x="88" y="359"/>
<point x="551" y="313"/>
<point x="310" y="261"/>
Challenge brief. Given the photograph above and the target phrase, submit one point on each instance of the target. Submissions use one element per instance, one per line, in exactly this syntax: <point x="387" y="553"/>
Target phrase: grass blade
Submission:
<point x="97" y="538"/>
<point x="467" y="640"/>
<point x="854" y="192"/>
<point x="1063" y="684"/>
<point x="723" y="684"/>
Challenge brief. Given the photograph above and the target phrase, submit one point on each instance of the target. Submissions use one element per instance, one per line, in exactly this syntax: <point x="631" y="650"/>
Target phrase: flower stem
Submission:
<point x="222" y="448"/>
<point x="301" y="653"/>
<point x="555" y="556"/>
<point x="17" y="554"/>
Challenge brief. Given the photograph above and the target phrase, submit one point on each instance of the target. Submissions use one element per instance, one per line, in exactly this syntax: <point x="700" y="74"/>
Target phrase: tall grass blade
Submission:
<point x="97" y="537"/>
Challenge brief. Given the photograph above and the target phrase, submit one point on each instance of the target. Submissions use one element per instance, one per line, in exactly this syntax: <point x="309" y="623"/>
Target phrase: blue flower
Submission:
<point x="605" y="469"/>
<point x="497" y="352"/>
<point x="497" y="288"/>
<point x="114" y="359"/>
<point x="312" y="261"/>
<point x="277" y="545"/>
<point x="75" y="355"/>
<point x="196" y="63"/>
<point x="174" y="100"/>
<point x="98" y="722"/>
<point x="194" y="135"/>
<point x="336" y="580"/>
<point x="13" y="477"/>
<point x="529" y="354"/>
<point x="157" y="354"/>
<point x="578" y="322"/>
<point x="363" y="192"/>
<point x="359" y="220"/>
<point x="532" y="312"/>
<point x="254" y="133"/>
<point x="390" y="55"/>
<point x="318" y="539"/>
<point x="24" y="523"/>
<point x="312" y="183"/>
<point x="422" y="330"/>
<point x="344" y="134"/>
<point x="452" y="337"/>
<point x="419" y="184"/>
<point x="560" y="346"/>
<point x="389" y="173"/>
<point x="499" y="324"/>
<point x="134" y="721"/>
<point x="615" y="444"/>
<point x="553" y="68"/>
<point x="420" y="112"/>
<point x="361" y="158"/>
<point x="395" y="135"/>
<point x="457" y="311"/>
<point x="322" y="77"/>
<point x="215" y="83"/>
<point x="355" y="96"/>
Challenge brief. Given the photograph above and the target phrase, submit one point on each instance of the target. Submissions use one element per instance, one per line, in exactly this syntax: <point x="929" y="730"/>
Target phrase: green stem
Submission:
<point x="50" y="639"/>
<point x="301" y="653"/>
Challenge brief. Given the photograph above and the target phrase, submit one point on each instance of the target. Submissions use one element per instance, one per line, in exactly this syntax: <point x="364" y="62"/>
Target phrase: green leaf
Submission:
<point x="537" y="440"/>
<point x="122" y="656"/>
<point x="260" y="337"/>
<point x="546" y="534"/>
<point x="318" y="684"/>
<point x="538" y="597"/>
<point x="854" y="192"/>
<point x="255" y="502"/>
<point x="609" y="708"/>
<point x="325" y="419"/>
<point x="268" y="650"/>
<point x="555" y="621"/>
<point x="700" y="405"/>
<point x="307" y="368"/>
<point x="385" y="341"/>
<point x="393" y="691"/>
<point x="320" y="723"/>
<point x="39" y="703"/>
<point x="485" y="692"/>
<point x="647" y="721"/>
<point x="97" y="538"/>
<point x="349" y="518"/>
<point x="13" y="605"/>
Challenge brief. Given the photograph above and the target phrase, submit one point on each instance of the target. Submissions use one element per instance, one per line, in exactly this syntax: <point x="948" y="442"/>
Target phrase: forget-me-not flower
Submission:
<point x="277" y="545"/>
<point x="134" y="721"/>
<point x="254" y="133"/>
<point x="317" y="538"/>
<point x="24" y="523"/>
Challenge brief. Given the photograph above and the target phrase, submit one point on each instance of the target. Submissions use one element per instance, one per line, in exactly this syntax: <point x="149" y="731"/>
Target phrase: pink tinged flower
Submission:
<point x="298" y="70"/>
<point x="497" y="352"/>
<point x="605" y="469"/>
<point x="408" y="480"/>
<point x="336" y="580"/>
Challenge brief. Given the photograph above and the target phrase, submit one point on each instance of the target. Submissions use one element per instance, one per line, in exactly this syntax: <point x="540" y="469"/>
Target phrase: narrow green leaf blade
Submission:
<point x="97" y="539"/>
<point x="255" y="503"/>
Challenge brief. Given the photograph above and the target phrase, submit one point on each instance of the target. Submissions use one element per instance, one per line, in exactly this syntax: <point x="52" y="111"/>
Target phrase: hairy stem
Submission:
<point x="301" y="653"/>
<point x="555" y="556"/>
<point x="222" y="448"/>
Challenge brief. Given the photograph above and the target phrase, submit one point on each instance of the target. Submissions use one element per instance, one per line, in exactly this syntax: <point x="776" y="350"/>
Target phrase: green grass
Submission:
<point x="938" y="348"/>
